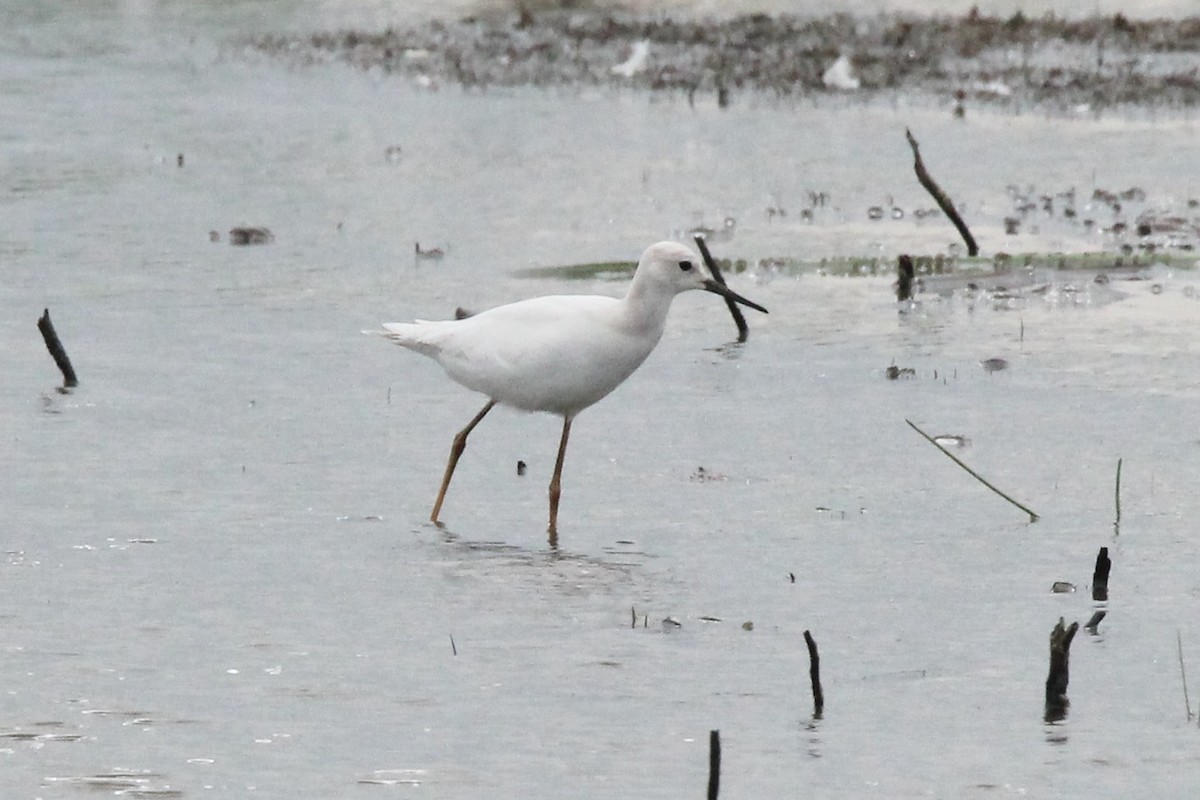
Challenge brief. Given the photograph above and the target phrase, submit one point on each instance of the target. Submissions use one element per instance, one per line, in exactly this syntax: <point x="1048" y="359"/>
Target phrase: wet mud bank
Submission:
<point x="1021" y="62"/>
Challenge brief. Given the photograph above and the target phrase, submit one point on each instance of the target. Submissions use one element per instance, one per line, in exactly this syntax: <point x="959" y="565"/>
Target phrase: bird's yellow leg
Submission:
<point x="456" y="450"/>
<point x="556" y="480"/>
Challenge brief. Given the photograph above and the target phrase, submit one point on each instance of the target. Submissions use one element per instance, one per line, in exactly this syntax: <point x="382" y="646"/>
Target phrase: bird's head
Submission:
<point x="680" y="268"/>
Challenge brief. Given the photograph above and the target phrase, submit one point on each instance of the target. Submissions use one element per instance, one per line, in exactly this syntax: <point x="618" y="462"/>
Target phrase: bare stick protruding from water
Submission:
<point x="1059" y="677"/>
<point x="453" y="647"/>
<point x="939" y="196"/>
<point x="1187" y="704"/>
<point x="56" y="350"/>
<point x="1100" y="575"/>
<point x="1095" y="621"/>
<point x="1117" y="523"/>
<point x="814" y="674"/>
<point x="738" y="318"/>
<point x="714" y="764"/>
<point x="1033" y="517"/>
<point x="905" y="273"/>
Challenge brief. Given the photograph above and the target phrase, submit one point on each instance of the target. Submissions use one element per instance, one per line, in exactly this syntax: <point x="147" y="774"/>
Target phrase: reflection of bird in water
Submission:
<point x="433" y="252"/>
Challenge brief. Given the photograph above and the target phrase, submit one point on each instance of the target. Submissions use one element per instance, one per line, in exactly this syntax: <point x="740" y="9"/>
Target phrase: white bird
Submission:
<point x="840" y="75"/>
<point x="636" y="62"/>
<point x="559" y="353"/>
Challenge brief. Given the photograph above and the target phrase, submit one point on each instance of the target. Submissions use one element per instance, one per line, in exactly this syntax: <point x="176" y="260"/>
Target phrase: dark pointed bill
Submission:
<point x="717" y="288"/>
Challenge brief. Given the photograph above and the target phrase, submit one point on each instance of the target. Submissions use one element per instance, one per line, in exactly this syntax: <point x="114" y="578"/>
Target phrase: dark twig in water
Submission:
<point x="1033" y="517"/>
<point x="939" y="196"/>
<point x="453" y="647"/>
<point x="904" y="278"/>
<point x="714" y="764"/>
<point x="738" y="318"/>
<point x="1095" y="620"/>
<point x="56" y="350"/>
<point x="1187" y="704"/>
<point x="1100" y="575"/>
<point x="1057" y="680"/>
<point x="1117" y="523"/>
<point x="814" y="674"/>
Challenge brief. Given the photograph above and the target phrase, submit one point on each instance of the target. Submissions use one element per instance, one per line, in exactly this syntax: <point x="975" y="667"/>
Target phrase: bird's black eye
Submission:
<point x="686" y="266"/>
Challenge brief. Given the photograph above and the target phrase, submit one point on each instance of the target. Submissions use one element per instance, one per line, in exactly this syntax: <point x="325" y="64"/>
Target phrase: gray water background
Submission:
<point x="218" y="579"/>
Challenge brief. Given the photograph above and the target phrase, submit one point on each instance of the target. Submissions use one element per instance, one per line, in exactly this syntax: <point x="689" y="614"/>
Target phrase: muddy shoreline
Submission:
<point x="1091" y="64"/>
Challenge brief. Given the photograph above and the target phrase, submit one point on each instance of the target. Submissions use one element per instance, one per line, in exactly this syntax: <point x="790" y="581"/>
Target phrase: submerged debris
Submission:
<point x="245" y="236"/>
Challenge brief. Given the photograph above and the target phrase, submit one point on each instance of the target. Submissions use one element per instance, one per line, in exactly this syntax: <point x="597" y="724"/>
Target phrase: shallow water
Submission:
<point x="218" y="579"/>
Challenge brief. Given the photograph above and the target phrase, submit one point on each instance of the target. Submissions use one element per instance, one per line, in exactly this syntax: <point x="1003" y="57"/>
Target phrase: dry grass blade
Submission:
<point x="1033" y="517"/>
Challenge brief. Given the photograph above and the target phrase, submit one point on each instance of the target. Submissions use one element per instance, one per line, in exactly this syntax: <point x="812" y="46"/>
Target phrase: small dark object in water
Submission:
<point x="991" y="365"/>
<point x="57" y="352"/>
<point x="393" y="153"/>
<point x="1095" y="620"/>
<point x="433" y="252"/>
<point x="214" y="236"/>
<point x="904" y="281"/>
<point x="960" y="109"/>
<point x="462" y="313"/>
<point x="520" y="468"/>
<point x="893" y="372"/>
<point x="1012" y="225"/>
<point x="1057" y="680"/>
<point x="875" y="212"/>
<point x="179" y="160"/>
<point x="1062" y="587"/>
<point x="245" y="236"/>
<point x="1100" y="575"/>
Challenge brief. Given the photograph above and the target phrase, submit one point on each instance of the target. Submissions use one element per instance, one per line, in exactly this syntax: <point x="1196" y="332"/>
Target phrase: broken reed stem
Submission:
<point x="739" y="319"/>
<point x="814" y="674"/>
<point x="1117" y="524"/>
<point x="1059" y="677"/>
<point x="1187" y="704"/>
<point x="56" y="350"/>
<point x="714" y="764"/>
<point x="1033" y="517"/>
<point x="939" y="196"/>
<point x="905" y="273"/>
<point x="453" y="647"/>
<point x="1100" y="575"/>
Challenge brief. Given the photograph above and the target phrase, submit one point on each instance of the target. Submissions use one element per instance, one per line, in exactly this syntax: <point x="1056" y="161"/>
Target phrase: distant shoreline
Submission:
<point x="1020" y="62"/>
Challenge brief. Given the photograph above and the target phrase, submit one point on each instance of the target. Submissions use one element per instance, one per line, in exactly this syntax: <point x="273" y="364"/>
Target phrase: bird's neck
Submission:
<point x="646" y="306"/>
